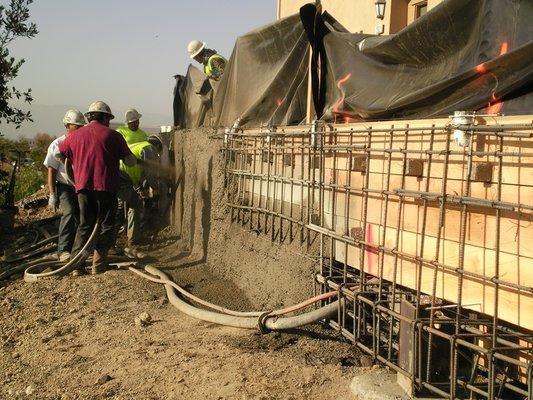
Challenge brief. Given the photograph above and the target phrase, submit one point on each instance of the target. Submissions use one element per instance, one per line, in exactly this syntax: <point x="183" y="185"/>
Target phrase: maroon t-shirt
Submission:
<point x="95" y="151"/>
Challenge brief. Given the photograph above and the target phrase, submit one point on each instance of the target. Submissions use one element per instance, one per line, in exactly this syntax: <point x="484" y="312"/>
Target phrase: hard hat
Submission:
<point x="101" y="107"/>
<point x="195" y="47"/>
<point x="74" y="117"/>
<point x="132" y="115"/>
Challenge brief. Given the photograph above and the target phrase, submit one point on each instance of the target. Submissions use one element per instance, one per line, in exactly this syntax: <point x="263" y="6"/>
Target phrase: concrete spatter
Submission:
<point x="271" y="274"/>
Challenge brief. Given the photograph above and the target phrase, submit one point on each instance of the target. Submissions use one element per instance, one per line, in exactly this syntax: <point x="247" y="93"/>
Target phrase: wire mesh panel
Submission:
<point x="423" y="229"/>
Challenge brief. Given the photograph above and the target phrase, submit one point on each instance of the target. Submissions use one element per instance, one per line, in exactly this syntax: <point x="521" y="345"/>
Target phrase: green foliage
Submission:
<point x="4" y="184"/>
<point x="13" y="24"/>
<point x="11" y="149"/>
<point x="29" y="180"/>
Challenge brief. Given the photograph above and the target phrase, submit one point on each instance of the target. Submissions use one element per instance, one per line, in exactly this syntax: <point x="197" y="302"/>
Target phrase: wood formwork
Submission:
<point x="402" y="204"/>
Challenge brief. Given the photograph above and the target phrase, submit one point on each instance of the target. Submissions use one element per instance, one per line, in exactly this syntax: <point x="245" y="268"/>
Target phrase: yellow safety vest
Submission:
<point x="132" y="136"/>
<point x="214" y="68"/>
<point x="135" y="172"/>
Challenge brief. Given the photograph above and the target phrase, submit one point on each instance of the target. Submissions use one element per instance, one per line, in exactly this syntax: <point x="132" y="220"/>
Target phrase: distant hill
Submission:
<point x="48" y="119"/>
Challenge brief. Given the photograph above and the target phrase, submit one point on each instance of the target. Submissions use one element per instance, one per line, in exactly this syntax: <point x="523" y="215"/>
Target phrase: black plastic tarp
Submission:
<point x="192" y="99"/>
<point x="462" y="55"/>
<point x="265" y="82"/>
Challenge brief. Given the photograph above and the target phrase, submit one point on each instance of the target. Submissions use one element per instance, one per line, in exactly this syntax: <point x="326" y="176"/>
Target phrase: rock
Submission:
<point x="29" y="390"/>
<point x="145" y="317"/>
<point x="162" y="301"/>
<point x="103" y="379"/>
<point x="15" y="354"/>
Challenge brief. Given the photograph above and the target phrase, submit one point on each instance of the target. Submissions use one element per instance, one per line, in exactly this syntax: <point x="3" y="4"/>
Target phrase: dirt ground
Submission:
<point x="75" y="338"/>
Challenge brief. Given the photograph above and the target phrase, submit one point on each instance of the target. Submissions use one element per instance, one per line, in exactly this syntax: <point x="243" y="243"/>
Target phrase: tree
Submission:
<point x="14" y="23"/>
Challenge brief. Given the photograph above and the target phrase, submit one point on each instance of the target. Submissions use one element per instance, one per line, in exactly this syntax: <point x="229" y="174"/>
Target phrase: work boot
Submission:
<point x="78" y="271"/>
<point x="64" y="256"/>
<point x="99" y="262"/>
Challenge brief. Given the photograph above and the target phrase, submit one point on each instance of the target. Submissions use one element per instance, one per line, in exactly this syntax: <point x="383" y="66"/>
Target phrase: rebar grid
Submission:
<point x="384" y="203"/>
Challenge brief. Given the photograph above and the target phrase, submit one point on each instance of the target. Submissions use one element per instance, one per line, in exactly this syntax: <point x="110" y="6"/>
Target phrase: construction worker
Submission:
<point x="61" y="188"/>
<point x="137" y="182"/>
<point x="95" y="151"/>
<point x="214" y="64"/>
<point x="130" y="130"/>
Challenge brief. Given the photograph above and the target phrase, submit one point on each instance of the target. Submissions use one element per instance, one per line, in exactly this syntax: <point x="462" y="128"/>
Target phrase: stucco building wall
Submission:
<point x="360" y="15"/>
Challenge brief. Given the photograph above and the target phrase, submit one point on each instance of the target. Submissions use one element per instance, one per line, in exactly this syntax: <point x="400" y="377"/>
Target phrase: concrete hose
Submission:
<point x="265" y="322"/>
<point x="223" y="310"/>
<point x="28" y="251"/>
<point x="33" y="273"/>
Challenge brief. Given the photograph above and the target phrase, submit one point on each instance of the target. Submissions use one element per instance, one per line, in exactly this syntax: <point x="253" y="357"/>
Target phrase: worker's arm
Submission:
<point x="52" y="180"/>
<point x="130" y="160"/>
<point x="52" y="164"/>
<point x="150" y="158"/>
<point x="123" y="150"/>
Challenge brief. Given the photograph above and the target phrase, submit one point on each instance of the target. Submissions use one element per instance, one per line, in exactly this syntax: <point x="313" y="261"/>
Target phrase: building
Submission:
<point x="361" y="15"/>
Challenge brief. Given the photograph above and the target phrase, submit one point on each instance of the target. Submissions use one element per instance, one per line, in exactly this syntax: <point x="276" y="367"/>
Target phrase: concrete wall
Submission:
<point x="360" y="15"/>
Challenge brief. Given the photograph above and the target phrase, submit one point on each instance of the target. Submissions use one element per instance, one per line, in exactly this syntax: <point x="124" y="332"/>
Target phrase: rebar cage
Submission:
<point x="422" y="228"/>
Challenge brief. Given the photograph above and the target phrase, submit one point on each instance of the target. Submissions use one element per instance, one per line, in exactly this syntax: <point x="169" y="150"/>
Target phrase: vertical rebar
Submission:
<point x="492" y="371"/>
<point x="461" y="264"/>
<point x="442" y="214"/>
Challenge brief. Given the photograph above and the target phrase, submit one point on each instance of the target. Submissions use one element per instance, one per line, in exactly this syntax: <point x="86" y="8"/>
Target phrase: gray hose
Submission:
<point x="31" y="276"/>
<point x="268" y="322"/>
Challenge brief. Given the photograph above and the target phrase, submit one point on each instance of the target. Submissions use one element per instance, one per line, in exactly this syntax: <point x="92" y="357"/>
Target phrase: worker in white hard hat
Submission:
<point x="95" y="151"/>
<point x="214" y="64"/>
<point x="61" y="188"/>
<point x="130" y="130"/>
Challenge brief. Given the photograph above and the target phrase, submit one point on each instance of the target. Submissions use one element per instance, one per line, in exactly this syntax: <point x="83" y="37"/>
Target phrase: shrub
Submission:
<point x="29" y="180"/>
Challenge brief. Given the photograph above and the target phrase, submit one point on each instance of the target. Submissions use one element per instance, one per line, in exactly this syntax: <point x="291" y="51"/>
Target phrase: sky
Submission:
<point x="124" y="52"/>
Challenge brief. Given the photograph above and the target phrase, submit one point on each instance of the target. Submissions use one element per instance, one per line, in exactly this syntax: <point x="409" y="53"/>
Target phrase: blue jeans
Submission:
<point x="70" y="218"/>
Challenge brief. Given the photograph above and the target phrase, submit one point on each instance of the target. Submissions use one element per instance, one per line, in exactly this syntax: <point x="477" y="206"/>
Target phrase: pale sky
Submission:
<point x="124" y="52"/>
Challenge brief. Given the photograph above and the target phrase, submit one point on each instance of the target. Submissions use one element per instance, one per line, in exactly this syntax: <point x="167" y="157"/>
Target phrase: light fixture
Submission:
<point x="380" y="8"/>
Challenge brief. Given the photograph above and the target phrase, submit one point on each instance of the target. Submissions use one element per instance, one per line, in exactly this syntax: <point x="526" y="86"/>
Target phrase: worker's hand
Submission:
<point x="53" y="201"/>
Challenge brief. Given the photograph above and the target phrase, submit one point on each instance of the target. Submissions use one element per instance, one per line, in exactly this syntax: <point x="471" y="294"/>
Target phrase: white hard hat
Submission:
<point x="74" y="117"/>
<point x="132" y="115"/>
<point x="195" y="47"/>
<point x="101" y="107"/>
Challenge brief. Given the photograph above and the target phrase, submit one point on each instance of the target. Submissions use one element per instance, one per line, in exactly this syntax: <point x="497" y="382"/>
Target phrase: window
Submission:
<point x="421" y="9"/>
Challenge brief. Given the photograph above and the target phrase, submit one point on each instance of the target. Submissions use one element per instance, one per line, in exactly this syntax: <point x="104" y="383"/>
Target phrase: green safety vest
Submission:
<point x="214" y="68"/>
<point x="132" y="136"/>
<point x="135" y="172"/>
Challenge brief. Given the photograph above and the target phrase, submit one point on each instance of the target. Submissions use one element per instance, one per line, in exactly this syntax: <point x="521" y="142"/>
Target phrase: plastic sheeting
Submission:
<point x="192" y="99"/>
<point x="462" y="55"/>
<point x="265" y="82"/>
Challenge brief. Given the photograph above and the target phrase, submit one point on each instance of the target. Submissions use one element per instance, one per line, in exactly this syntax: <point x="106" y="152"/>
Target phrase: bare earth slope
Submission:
<point x="75" y="338"/>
